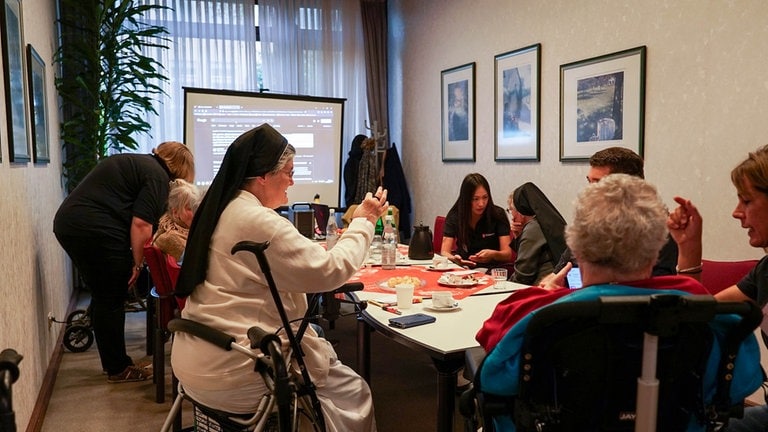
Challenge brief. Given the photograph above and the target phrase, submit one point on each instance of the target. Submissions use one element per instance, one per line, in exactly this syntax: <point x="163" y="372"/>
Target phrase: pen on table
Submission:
<point x="391" y="309"/>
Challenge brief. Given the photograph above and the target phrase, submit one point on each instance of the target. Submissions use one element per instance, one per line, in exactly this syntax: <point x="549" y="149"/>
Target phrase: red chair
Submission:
<point x="437" y="234"/>
<point x="164" y="272"/>
<point x="718" y="275"/>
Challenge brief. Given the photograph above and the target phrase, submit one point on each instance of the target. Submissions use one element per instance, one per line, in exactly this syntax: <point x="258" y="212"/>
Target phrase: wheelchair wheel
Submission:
<point x="79" y="316"/>
<point x="78" y="338"/>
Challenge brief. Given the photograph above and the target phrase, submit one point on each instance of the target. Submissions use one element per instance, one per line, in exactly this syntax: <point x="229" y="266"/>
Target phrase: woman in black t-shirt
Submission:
<point x="476" y="231"/>
<point x="103" y="225"/>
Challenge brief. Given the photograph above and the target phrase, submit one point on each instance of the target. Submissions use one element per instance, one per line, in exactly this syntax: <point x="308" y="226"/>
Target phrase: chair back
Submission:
<point x="565" y="387"/>
<point x="322" y="211"/>
<point x="719" y="275"/>
<point x="164" y="272"/>
<point x="437" y="234"/>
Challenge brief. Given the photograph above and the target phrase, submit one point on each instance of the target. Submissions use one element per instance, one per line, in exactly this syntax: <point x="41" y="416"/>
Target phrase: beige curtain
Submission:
<point x="212" y="44"/>
<point x="315" y="47"/>
<point x="375" y="38"/>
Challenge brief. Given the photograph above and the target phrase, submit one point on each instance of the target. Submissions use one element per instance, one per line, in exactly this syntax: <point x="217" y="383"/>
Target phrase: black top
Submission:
<point x="755" y="284"/>
<point x="484" y="236"/>
<point x="117" y="189"/>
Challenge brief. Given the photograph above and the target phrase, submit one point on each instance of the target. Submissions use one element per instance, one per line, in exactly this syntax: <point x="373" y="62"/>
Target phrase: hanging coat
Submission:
<point x="352" y="169"/>
<point x="397" y="190"/>
<point x="367" y="178"/>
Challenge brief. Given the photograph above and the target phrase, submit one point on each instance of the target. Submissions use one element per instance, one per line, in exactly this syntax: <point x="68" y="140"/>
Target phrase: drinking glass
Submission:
<point x="374" y="252"/>
<point x="500" y="277"/>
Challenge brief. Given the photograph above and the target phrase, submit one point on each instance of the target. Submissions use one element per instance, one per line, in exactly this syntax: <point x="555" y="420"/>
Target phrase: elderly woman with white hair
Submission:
<point x="173" y="228"/>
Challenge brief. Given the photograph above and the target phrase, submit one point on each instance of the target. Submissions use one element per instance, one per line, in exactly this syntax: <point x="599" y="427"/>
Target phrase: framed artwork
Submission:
<point x="602" y="104"/>
<point x="15" y="87"/>
<point x="37" y="106"/>
<point x="458" y="113"/>
<point x="517" y="104"/>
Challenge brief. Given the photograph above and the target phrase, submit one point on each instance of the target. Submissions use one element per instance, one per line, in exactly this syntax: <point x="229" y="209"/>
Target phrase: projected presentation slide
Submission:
<point x="213" y="120"/>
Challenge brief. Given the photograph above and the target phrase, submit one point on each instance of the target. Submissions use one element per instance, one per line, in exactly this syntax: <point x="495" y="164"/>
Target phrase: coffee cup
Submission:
<point x="404" y="295"/>
<point x="442" y="299"/>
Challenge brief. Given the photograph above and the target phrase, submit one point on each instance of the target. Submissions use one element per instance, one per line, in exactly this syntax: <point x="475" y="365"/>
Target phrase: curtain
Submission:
<point x="212" y="45"/>
<point x="374" y="14"/>
<point x="315" y="48"/>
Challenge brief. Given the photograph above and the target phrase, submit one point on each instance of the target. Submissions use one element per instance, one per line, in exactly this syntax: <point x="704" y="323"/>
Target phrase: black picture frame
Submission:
<point x="15" y="81"/>
<point x="602" y="104"/>
<point x="458" y="113"/>
<point x="38" y="112"/>
<point x="517" y="109"/>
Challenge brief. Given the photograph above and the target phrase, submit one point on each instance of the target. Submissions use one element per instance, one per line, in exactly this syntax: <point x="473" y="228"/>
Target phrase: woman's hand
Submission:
<point x="373" y="206"/>
<point x="685" y="226"/>
<point x="516" y="229"/>
<point x="484" y="256"/>
<point x="685" y="223"/>
<point x="556" y="280"/>
<point x="456" y="259"/>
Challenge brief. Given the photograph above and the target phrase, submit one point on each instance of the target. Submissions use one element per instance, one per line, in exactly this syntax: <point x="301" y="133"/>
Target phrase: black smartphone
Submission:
<point x="414" y="320"/>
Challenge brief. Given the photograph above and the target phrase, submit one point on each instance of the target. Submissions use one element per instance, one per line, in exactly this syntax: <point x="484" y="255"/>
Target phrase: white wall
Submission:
<point x="706" y="95"/>
<point x="35" y="272"/>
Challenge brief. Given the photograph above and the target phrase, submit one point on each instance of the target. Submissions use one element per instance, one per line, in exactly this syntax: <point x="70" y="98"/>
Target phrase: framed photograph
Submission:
<point x="37" y="108"/>
<point x="458" y="113"/>
<point x="602" y="104"/>
<point x="15" y="82"/>
<point x="517" y="104"/>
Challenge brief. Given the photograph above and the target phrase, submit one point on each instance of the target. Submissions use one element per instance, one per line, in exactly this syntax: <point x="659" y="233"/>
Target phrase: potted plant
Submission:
<point x="106" y="84"/>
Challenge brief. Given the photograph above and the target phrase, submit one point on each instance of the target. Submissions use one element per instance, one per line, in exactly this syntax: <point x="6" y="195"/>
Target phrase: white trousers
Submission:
<point x="345" y="399"/>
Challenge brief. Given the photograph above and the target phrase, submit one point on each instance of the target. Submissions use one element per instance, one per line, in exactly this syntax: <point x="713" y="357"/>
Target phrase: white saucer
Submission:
<point x="455" y="307"/>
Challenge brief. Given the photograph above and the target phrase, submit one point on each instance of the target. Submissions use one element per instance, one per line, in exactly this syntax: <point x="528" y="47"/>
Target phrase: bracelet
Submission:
<point x="690" y="270"/>
<point x="138" y="268"/>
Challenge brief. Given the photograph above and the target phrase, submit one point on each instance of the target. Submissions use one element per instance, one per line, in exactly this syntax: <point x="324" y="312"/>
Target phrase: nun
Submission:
<point x="230" y="293"/>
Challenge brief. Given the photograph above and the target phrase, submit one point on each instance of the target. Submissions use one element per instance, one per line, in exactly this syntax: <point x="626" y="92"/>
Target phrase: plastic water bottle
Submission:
<point x="331" y="230"/>
<point x="389" y="244"/>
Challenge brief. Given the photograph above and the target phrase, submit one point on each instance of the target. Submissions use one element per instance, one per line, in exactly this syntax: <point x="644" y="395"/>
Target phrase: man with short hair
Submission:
<point x="613" y="160"/>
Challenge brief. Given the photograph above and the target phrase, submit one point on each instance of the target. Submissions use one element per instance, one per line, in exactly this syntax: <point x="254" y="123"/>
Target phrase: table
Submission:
<point x="445" y="340"/>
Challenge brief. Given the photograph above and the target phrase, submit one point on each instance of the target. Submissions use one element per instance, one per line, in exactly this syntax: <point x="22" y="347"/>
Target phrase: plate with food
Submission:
<point x="459" y="279"/>
<point x="391" y="283"/>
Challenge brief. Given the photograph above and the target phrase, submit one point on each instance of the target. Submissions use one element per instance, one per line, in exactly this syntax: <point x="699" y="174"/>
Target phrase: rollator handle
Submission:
<point x="257" y="249"/>
<point x="9" y="361"/>
<point x="262" y="339"/>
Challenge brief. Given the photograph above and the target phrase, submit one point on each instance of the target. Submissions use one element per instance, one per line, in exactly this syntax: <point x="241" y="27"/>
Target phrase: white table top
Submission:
<point x="453" y="332"/>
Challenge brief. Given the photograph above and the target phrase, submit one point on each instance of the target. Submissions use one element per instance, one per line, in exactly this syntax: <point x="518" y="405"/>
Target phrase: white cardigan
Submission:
<point x="235" y="295"/>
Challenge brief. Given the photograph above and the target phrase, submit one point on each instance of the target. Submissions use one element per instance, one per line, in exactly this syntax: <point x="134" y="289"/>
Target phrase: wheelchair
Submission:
<point x="655" y="362"/>
<point x="290" y="399"/>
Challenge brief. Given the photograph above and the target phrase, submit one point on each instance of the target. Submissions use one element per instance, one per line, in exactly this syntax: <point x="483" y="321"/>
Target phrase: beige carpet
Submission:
<point x="83" y="401"/>
<point x="403" y="383"/>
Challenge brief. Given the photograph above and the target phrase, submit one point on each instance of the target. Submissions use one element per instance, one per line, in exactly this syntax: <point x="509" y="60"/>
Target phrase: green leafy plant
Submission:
<point x="106" y="84"/>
